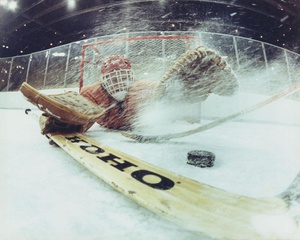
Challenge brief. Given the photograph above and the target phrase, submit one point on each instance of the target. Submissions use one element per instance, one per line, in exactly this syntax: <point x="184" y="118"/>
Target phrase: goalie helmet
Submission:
<point x="117" y="76"/>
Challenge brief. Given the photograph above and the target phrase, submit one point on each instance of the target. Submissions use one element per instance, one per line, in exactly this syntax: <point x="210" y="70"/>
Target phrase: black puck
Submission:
<point x="201" y="158"/>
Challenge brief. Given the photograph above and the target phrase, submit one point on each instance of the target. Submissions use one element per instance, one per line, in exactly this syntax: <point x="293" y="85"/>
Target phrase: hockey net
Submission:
<point x="150" y="56"/>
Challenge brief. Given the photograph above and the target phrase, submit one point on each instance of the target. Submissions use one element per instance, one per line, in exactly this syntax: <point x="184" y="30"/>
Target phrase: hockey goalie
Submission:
<point x="116" y="99"/>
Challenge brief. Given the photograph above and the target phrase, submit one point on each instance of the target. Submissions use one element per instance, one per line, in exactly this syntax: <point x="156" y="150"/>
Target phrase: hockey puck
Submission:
<point x="201" y="158"/>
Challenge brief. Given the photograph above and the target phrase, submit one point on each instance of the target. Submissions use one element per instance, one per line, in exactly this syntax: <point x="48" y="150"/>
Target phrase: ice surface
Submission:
<point x="45" y="194"/>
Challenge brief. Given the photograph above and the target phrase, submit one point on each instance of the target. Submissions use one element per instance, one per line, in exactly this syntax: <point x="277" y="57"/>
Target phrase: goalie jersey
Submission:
<point x="120" y="114"/>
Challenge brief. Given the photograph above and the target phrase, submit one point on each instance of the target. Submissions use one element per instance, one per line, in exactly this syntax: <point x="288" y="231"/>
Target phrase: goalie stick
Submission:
<point x="191" y="204"/>
<point x="157" y="138"/>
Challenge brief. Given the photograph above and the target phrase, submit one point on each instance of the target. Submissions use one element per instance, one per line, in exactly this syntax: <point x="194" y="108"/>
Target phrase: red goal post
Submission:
<point x="150" y="56"/>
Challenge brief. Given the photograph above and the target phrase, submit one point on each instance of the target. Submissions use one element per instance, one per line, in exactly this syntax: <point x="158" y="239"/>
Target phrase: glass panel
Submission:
<point x="250" y="53"/>
<point x="4" y="73"/>
<point x="37" y="69"/>
<point x="294" y="72"/>
<point x="294" y="66"/>
<point x="73" y="71"/>
<point x="18" y="72"/>
<point x="56" y="67"/>
<point x="277" y="69"/>
<point x="252" y="66"/>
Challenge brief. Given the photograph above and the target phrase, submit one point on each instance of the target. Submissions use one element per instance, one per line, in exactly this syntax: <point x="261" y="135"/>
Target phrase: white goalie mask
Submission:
<point x="117" y="76"/>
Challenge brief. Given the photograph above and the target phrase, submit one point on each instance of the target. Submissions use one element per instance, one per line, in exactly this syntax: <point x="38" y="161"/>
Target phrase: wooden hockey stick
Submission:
<point x="143" y="138"/>
<point x="190" y="204"/>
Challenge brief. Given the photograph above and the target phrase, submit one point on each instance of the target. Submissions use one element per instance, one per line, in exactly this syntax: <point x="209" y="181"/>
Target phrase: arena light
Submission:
<point x="12" y="5"/>
<point x="71" y="4"/>
<point x="9" y="4"/>
<point x="3" y="3"/>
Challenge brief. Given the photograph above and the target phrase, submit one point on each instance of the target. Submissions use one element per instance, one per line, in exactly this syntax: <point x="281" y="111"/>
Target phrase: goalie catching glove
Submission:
<point x="199" y="72"/>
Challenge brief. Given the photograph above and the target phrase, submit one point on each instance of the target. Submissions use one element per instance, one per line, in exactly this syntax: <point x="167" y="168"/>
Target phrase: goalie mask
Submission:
<point x="117" y="76"/>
